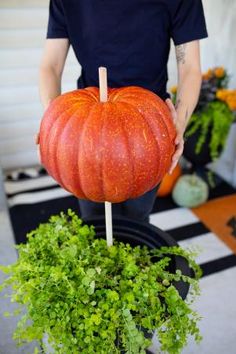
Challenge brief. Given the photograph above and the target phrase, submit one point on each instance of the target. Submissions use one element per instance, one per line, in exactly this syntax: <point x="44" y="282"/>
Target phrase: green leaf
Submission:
<point x="86" y="281"/>
<point x="91" y="272"/>
<point x="7" y="314"/>
<point x="91" y="288"/>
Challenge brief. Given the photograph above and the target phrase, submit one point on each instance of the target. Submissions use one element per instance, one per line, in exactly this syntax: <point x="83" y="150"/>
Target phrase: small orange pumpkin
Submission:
<point x="107" y="151"/>
<point x="169" y="181"/>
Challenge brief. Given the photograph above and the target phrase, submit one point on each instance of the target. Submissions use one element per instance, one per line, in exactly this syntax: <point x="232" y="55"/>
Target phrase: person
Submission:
<point x="132" y="39"/>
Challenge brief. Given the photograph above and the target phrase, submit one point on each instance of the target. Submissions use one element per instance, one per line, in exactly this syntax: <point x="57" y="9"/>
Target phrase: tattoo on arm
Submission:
<point x="180" y="53"/>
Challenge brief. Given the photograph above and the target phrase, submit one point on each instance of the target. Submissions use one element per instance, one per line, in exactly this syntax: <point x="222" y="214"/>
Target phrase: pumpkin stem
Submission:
<point x="194" y="180"/>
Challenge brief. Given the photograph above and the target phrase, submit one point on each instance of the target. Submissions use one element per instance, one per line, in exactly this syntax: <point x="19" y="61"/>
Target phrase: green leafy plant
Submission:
<point x="217" y="118"/>
<point x="214" y="113"/>
<point x="89" y="298"/>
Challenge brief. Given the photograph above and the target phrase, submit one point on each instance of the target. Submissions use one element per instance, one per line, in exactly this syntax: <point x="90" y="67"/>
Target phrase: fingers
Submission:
<point x="178" y="153"/>
<point x="179" y="141"/>
<point x="36" y="139"/>
<point x="171" y="108"/>
<point x="179" y="138"/>
<point x="170" y="104"/>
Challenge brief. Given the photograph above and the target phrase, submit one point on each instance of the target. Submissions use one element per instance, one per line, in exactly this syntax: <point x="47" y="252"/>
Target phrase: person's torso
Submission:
<point x="130" y="37"/>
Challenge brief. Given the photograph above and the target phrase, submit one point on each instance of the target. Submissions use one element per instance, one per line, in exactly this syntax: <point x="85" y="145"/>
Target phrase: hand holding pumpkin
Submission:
<point x="179" y="140"/>
<point x="36" y="140"/>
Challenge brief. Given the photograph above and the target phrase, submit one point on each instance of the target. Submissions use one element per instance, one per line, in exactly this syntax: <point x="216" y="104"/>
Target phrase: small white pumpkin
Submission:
<point x="190" y="191"/>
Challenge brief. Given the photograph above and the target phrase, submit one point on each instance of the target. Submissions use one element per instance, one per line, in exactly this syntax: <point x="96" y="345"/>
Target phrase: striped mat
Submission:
<point x="34" y="196"/>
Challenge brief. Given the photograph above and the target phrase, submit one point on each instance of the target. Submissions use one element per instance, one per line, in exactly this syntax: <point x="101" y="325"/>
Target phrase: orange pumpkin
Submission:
<point x="107" y="151"/>
<point x="169" y="181"/>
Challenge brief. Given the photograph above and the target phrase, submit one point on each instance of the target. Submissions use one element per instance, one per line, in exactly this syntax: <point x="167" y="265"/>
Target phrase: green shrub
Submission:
<point x="88" y="298"/>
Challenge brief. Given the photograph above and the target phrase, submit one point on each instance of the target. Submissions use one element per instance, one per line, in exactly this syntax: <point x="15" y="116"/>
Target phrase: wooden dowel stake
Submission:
<point x="108" y="210"/>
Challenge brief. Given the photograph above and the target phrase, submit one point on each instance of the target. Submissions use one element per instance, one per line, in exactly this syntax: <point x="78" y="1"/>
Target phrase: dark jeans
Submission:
<point x="138" y="208"/>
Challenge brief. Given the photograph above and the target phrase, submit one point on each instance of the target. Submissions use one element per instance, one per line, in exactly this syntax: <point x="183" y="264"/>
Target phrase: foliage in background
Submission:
<point x="216" y="117"/>
<point x="89" y="298"/>
<point x="215" y="111"/>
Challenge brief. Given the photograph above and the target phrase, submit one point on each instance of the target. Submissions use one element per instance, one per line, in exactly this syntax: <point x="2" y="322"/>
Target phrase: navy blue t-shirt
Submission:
<point x="129" y="37"/>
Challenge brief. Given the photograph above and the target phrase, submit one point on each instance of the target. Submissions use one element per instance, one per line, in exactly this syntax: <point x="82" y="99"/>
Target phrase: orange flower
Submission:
<point x="227" y="96"/>
<point x="232" y="103"/>
<point x="173" y="90"/>
<point x="219" y="72"/>
<point x="222" y="94"/>
<point x="210" y="72"/>
<point x="207" y="75"/>
<point x="231" y="99"/>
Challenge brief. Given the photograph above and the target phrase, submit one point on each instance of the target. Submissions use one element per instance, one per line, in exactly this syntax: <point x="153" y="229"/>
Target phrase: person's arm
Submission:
<point x="189" y="84"/>
<point x="50" y="72"/>
<point x="51" y="69"/>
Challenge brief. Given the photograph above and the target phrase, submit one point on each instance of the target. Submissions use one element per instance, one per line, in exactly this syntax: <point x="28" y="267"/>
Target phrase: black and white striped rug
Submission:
<point x="33" y="197"/>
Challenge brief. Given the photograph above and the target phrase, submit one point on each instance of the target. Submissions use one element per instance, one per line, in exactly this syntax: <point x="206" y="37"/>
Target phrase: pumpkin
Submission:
<point x="107" y="151"/>
<point x="168" y="182"/>
<point x="190" y="191"/>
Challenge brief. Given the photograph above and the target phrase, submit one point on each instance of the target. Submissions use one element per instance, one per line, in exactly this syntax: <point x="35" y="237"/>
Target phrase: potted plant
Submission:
<point x="209" y="126"/>
<point x="89" y="298"/>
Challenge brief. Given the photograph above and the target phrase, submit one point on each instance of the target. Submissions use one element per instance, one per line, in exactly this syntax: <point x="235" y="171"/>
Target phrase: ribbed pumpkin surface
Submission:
<point x="110" y="151"/>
